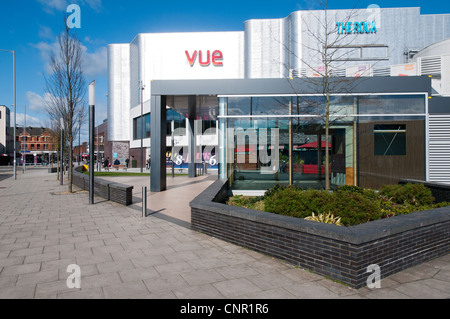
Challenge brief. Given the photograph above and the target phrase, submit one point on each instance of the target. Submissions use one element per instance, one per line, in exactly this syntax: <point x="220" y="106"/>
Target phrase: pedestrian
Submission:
<point x="127" y="161"/>
<point x="106" y="164"/>
<point x="149" y="162"/>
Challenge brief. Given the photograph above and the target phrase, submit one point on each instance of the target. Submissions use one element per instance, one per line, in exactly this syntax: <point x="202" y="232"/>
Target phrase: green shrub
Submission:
<point x="286" y="201"/>
<point x="350" y="189"/>
<point x="290" y="201"/>
<point x="353" y="205"/>
<point x="412" y="194"/>
<point x="368" y="193"/>
<point x="250" y="202"/>
<point x="354" y="208"/>
<point x="276" y="188"/>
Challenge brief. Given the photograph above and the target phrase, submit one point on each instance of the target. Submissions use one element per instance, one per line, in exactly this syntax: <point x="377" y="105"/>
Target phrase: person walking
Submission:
<point x="106" y="164"/>
<point x="149" y="162"/>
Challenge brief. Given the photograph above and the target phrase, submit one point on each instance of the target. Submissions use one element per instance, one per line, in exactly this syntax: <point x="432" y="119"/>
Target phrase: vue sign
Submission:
<point x="216" y="58"/>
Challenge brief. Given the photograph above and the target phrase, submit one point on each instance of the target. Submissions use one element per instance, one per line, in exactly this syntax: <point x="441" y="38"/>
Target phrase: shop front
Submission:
<point x="274" y="131"/>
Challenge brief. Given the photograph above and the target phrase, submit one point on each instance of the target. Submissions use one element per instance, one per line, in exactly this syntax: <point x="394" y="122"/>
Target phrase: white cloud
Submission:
<point x="45" y="33"/>
<point x="31" y="120"/>
<point x="46" y="49"/>
<point x="94" y="63"/>
<point x="50" y="6"/>
<point x="36" y="103"/>
<point x="94" y="4"/>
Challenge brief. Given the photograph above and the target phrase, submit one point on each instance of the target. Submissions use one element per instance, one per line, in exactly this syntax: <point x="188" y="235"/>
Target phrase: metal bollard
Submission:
<point x="144" y="201"/>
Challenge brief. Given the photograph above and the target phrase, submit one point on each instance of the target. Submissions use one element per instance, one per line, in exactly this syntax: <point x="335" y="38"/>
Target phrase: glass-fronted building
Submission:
<point x="273" y="131"/>
<point x="253" y="105"/>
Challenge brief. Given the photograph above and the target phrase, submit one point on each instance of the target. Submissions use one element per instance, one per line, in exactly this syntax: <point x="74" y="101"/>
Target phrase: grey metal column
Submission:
<point x="91" y="153"/>
<point x="144" y="201"/>
<point x="158" y="133"/>
<point x="192" y="172"/>
<point x="91" y="140"/>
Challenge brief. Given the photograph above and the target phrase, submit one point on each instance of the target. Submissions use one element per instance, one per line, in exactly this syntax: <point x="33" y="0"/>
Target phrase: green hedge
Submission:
<point x="352" y="207"/>
<point x="353" y="204"/>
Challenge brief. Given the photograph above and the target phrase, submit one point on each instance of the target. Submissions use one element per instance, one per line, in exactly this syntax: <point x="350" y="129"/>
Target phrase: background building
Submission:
<point x="37" y="144"/>
<point x="6" y="138"/>
<point x="370" y="43"/>
<point x="102" y="147"/>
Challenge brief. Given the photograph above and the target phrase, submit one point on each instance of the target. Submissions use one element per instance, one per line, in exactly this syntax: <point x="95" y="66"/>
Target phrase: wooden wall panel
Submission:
<point x="376" y="171"/>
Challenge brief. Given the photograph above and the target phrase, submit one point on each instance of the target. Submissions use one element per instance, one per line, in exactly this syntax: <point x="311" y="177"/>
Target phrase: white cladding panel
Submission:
<point x="162" y="56"/>
<point x="165" y="58"/>
<point x="118" y="92"/>
<point x="274" y="46"/>
<point x="439" y="148"/>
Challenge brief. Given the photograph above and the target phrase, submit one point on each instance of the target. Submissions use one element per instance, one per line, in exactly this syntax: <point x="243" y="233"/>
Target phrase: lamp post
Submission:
<point x="14" y="89"/>
<point x="24" y="155"/>
<point x="91" y="140"/>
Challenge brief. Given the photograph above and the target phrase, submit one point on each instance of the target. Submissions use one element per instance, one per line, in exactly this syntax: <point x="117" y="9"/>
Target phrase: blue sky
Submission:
<point x="30" y="28"/>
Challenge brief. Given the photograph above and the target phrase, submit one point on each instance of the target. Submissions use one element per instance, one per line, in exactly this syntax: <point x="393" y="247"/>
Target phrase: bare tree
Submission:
<point x="52" y="129"/>
<point x="66" y="87"/>
<point x="329" y="50"/>
<point x="82" y="117"/>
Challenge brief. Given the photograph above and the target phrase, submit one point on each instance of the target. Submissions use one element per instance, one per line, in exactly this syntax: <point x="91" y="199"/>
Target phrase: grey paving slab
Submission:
<point x="89" y="293"/>
<point x="43" y="230"/>
<point x="235" y="288"/>
<point x="127" y="290"/>
<point x="206" y="291"/>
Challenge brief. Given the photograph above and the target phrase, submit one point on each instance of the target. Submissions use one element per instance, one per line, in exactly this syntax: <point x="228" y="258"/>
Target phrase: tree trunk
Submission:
<point x="327" y="144"/>
<point x="70" y="170"/>
<point x="57" y="167"/>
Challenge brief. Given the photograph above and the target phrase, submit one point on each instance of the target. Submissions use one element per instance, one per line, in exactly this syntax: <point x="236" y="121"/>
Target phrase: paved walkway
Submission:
<point x="172" y="204"/>
<point x="43" y="230"/>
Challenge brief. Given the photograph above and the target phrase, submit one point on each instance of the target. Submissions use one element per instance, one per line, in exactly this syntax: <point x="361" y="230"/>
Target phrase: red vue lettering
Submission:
<point x="205" y="59"/>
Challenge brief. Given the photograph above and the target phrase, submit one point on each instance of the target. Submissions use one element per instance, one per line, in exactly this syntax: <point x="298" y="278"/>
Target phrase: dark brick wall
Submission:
<point x="119" y="193"/>
<point x="342" y="253"/>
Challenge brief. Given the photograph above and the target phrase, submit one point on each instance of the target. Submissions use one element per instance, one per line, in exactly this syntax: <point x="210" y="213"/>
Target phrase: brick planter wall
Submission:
<point x="342" y="253"/>
<point x="119" y="193"/>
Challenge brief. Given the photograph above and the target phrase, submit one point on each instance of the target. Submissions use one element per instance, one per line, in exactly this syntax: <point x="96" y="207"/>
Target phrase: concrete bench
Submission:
<point x="119" y="193"/>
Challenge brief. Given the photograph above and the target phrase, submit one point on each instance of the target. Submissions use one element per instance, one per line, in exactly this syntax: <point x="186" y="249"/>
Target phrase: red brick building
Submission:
<point x="37" y="143"/>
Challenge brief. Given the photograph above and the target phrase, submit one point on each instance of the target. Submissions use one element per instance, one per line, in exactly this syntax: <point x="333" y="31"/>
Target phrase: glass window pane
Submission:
<point x="398" y="104"/>
<point x="389" y="139"/>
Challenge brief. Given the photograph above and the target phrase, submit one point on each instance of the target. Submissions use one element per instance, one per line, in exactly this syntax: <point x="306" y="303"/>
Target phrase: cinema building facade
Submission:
<point x="252" y="103"/>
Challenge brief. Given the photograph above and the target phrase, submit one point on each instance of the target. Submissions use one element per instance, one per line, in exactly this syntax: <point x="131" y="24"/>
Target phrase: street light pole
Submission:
<point x="91" y="140"/>
<point x="14" y="89"/>
<point x="24" y="155"/>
